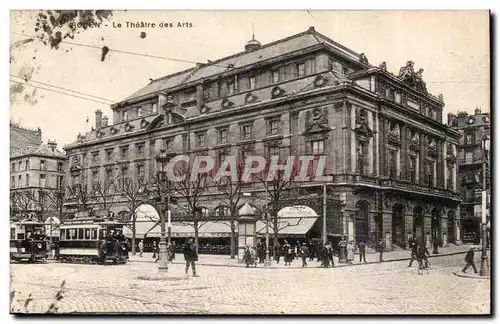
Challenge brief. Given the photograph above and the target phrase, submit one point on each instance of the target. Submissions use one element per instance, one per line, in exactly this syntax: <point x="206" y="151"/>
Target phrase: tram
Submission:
<point x="27" y="241"/>
<point x="91" y="240"/>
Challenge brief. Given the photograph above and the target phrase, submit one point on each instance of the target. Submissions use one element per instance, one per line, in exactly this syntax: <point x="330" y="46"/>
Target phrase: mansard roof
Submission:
<point x="42" y="150"/>
<point x="275" y="49"/>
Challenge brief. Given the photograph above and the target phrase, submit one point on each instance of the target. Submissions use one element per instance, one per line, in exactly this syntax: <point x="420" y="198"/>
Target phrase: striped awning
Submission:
<point x="289" y="226"/>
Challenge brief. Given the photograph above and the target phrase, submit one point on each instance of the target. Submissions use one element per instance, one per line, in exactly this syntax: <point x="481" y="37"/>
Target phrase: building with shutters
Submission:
<point x="474" y="128"/>
<point x="390" y="158"/>
<point x="37" y="181"/>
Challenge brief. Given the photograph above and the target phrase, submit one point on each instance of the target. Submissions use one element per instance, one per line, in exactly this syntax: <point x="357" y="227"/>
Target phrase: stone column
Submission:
<point x="387" y="229"/>
<point x="381" y="147"/>
<point x="427" y="230"/>
<point x="385" y="149"/>
<point x="444" y="230"/>
<point x="458" y="238"/>
<point x="408" y="224"/>
<point x="404" y="152"/>
<point x="439" y="164"/>
<point x="375" y="143"/>
<point x="352" y="143"/>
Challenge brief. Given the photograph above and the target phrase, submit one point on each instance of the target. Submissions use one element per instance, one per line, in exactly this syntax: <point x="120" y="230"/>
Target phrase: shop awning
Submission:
<point x="289" y="226"/>
<point x="209" y="229"/>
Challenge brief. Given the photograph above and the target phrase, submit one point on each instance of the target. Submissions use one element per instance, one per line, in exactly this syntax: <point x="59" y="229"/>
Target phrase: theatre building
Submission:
<point x="389" y="157"/>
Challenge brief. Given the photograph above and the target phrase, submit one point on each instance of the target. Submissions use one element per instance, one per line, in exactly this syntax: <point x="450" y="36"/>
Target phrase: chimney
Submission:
<point x="52" y="145"/>
<point x="104" y="121"/>
<point x="98" y="119"/>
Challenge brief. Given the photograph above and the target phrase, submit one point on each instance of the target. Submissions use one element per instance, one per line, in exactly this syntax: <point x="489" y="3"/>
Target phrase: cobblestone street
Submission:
<point x="384" y="288"/>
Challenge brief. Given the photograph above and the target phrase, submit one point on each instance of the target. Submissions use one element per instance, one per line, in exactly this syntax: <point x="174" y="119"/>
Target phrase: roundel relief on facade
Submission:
<point x="319" y="81"/>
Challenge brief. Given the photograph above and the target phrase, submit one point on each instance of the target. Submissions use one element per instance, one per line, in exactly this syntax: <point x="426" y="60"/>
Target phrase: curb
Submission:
<point x="337" y="265"/>
<point x="459" y="273"/>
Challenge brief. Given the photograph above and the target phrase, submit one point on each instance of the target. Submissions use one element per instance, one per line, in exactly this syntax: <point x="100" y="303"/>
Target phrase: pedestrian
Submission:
<point x="324" y="256"/>
<point x="362" y="251"/>
<point x="260" y="251"/>
<point x="412" y="245"/>
<point x="469" y="261"/>
<point x="422" y="254"/>
<point x="304" y="253"/>
<point x="380" y="248"/>
<point x="248" y="257"/>
<point x="342" y="247"/>
<point x="350" y="252"/>
<point x="155" y="249"/>
<point x="191" y="256"/>
<point x="311" y="251"/>
<point x="141" y="248"/>
<point x="297" y="249"/>
<point x="277" y="250"/>
<point x="172" y="253"/>
<point x="287" y="253"/>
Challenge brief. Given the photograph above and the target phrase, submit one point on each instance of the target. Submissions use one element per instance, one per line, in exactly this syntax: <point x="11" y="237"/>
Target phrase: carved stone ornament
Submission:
<point x="317" y="120"/>
<point x="413" y="79"/>
<point x="205" y="109"/>
<point x="362" y="58"/>
<point x="277" y="92"/>
<point x="247" y="147"/>
<point x="319" y="81"/>
<point x="250" y="97"/>
<point x="113" y="130"/>
<point x="226" y="103"/>
<point x="99" y="134"/>
<point x="362" y="127"/>
<point x="383" y="66"/>
<point x="128" y="127"/>
<point x="144" y="123"/>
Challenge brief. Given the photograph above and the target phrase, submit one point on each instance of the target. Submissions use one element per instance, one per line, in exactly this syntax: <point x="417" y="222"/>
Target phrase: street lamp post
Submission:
<point x="485" y="269"/>
<point x="163" y="158"/>
<point x="267" y="262"/>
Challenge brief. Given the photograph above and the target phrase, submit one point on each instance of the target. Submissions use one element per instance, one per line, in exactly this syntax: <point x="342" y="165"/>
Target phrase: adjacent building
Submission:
<point x="473" y="169"/>
<point x="390" y="158"/>
<point x="37" y="181"/>
<point x="22" y="137"/>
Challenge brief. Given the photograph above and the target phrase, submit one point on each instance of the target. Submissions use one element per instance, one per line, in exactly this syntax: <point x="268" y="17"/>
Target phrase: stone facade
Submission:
<point x="474" y="129"/>
<point x="389" y="156"/>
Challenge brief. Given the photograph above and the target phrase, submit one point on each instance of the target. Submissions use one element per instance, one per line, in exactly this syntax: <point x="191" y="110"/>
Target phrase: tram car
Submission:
<point x="90" y="240"/>
<point x="27" y="241"/>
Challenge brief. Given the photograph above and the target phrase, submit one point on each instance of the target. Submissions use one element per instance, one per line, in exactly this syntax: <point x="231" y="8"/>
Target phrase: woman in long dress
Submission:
<point x="288" y="252"/>
<point x="350" y="252"/>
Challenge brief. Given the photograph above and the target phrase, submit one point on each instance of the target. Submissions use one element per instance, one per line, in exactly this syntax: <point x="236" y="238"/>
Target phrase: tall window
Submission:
<point x="252" y="82"/>
<point x="273" y="126"/>
<point x="301" y="70"/>
<point x="59" y="167"/>
<point x="139" y="112"/>
<point x="27" y="165"/>
<point x="124" y="152"/>
<point x="42" y="181"/>
<point x="273" y="151"/>
<point x="155" y="108"/>
<point x="469" y="157"/>
<point x="109" y="154"/>
<point x="222" y="157"/>
<point x="124" y="174"/>
<point x="109" y="176"/>
<point x="318" y="147"/>
<point x="430" y="173"/>
<point x="59" y="182"/>
<point x="413" y="169"/>
<point x="361" y="158"/>
<point x="223" y="135"/>
<point x="247" y="131"/>
<point x="95" y="177"/>
<point x="468" y="138"/>
<point x="140" y="150"/>
<point x="27" y="180"/>
<point x="245" y="154"/>
<point x="124" y="115"/>
<point x="13" y="182"/>
<point x="13" y="167"/>
<point x="19" y="181"/>
<point x="19" y="166"/>
<point x="95" y="157"/>
<point x="230" y="87"/>
<point x="449" y="183"/>
<point x="200" y="138"/>
<point x="276" y="76"/>
<point x="140" y="172"/>
<point x="43" y="165"/>
<point x="168" y="144"/>
<point x="392" y="162"/>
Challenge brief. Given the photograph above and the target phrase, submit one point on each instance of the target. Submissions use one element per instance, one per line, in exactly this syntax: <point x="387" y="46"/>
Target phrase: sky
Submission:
<point x="451" y="46"/>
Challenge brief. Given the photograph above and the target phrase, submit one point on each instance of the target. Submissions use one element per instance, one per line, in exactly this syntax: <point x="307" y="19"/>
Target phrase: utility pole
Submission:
<point x="485" y="269"/>
<point x="324" y="213"/>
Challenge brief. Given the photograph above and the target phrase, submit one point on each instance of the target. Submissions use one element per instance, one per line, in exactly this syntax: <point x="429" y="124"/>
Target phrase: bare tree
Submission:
<point x="280" y="191"/>
<point x="190" y="190"/>
<point x="105" y="194"/>
<point x="56" y="203"/>
<point x="22" y="201"/>
<point x="229" y="192"/>
<point x="136" y="194"/>
<point x="82" y="195"/>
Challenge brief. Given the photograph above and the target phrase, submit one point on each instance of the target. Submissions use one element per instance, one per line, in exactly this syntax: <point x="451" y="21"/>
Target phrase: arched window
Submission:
<point x="222" y="212"/>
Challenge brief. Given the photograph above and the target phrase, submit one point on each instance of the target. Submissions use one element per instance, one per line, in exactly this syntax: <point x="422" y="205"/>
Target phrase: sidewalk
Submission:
<point x="226" y="261"/>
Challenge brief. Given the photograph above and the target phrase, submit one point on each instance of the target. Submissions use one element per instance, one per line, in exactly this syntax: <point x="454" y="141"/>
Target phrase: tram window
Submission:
<point x="12" y="233"/>
<point x="20" y="236"/>
<point x="63" y="234"/>
<point x="87" y="234"/>
<point x="94" y="234"/>
<point x="73" y="234"/>
<point x="80" y="233"/>
<point x="102" y="234"/>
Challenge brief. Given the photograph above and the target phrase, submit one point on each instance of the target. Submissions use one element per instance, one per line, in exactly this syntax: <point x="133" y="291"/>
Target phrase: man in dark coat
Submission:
<point x="304" y="253"/>
<point x="422" y="254"/>
<point x="261" y="251"/>
<point x="191" y="256"/>
<point x="381" y="248"/>
<point x="412" y="245"/>
<point x="277" y="250"/>
<point x="362" y="251"/>
<point x="469" y="260"/>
